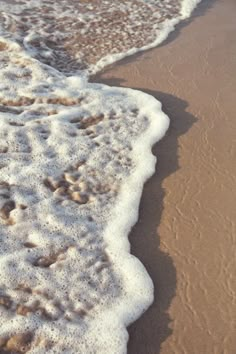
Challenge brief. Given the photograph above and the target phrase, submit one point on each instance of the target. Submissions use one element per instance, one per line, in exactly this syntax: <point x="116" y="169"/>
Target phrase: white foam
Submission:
<point x="164" y="29"/>
<point x="65" y="265"/>
<point x="73" y="160"/>
<point x="76" y="36"/>
<point x="187" y="7"/>
<point x="167" y="27"/>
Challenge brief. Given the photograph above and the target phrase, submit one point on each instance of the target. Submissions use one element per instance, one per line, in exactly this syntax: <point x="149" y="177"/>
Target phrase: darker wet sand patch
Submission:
<point x="184" y="235"/>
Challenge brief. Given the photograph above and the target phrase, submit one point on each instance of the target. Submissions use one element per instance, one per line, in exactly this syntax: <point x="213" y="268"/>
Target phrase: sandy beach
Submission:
<point x="185" y="235"/>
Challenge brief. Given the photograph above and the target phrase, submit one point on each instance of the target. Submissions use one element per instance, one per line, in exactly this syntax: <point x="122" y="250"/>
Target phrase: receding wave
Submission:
<point x="73" y="160"/>
<point x="72" y="35"/>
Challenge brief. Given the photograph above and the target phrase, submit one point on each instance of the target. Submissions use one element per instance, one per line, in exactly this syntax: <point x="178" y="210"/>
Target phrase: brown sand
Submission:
<point x="186" y="231"/>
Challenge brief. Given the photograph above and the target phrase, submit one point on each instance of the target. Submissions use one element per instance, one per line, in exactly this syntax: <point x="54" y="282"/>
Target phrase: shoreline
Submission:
<point x="184" y="236"/>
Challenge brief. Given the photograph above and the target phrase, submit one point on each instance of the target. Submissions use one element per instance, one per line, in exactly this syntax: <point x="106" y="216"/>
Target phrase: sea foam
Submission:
<point x="86" y="36"/>
<point x="74" y="157"/>
<point x="73" y="160"/>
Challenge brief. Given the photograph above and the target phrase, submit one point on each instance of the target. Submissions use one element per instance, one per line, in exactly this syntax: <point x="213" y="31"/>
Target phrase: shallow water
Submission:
<point x="72" y="35"/>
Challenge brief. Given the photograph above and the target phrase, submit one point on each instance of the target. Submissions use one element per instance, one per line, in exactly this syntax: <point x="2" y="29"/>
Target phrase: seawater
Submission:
<point x="73" y="160"/>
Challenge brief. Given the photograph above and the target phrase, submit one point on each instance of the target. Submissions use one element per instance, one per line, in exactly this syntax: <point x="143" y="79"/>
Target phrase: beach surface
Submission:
<point x="185" y="235"/>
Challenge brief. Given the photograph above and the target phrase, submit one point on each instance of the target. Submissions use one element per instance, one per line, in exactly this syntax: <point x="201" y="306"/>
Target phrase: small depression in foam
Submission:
<point x="73" y="160"/>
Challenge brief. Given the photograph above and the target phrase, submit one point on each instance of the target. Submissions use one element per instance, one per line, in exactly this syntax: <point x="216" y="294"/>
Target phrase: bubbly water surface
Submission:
<point x="73" y="160"/>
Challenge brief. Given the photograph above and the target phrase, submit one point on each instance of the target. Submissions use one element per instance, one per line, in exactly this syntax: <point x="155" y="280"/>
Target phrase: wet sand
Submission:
<point x="185" y="235"/>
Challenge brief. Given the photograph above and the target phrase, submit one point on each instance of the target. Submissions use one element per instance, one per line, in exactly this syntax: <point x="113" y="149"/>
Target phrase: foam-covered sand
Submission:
<point x="73" y="160"/>
<point x="88" y="35"/>
<point x="185" y="236"/>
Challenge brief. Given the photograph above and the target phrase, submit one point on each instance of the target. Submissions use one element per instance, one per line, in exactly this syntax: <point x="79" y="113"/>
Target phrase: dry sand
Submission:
<point x="186" y="231"/>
